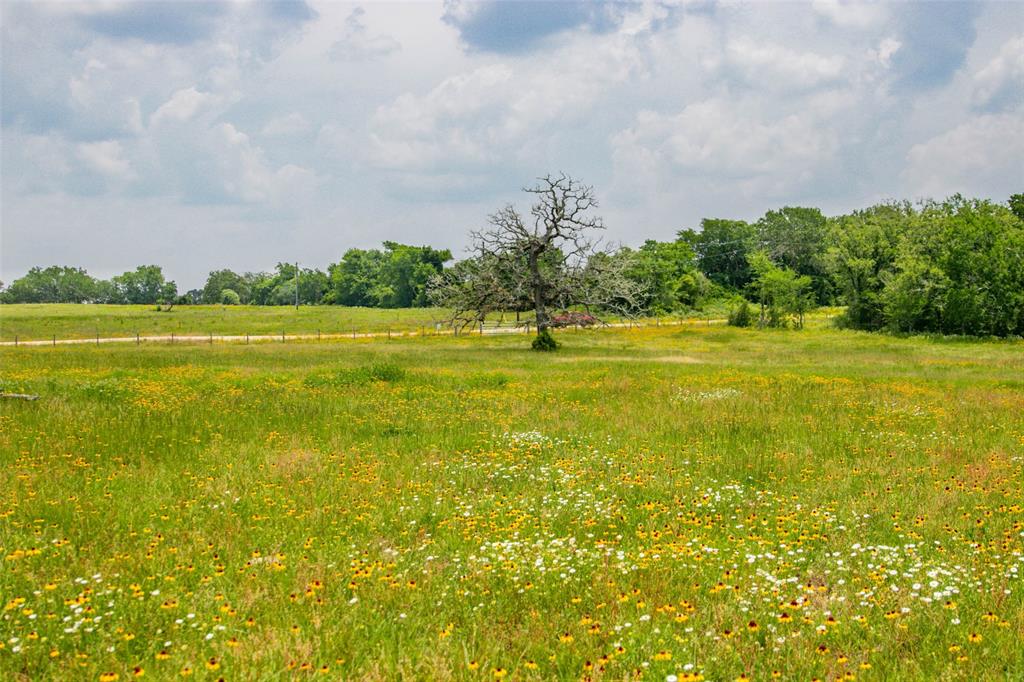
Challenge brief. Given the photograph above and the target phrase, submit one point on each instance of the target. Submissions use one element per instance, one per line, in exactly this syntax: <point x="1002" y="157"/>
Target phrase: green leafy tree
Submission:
<point x="55" y="284"/>
<point x="960" y="270"/>
<point x="669" y="275"/>
<point x="279" y="288"/>
<point x="862" y="254"/>
<point x="283" y="293"/>
<point x="354" y="281"/>
<point x="313" y="285"/>
<point x="794" y="237"/>
<point x="261" y="286"/>
<point x="784" y="295"/>
<point x="144" y="285"/>
<point x="191" y="297"/>
<point x="1017" y="205"/>
<point x="405" y="272"/>
<point x="741" y="315"/>
<point x="721" y="248"/>
<point x="230" y="297"/>
<point x="219" y="280"/>
<point x="396" y="277"/>
<point x="914" y="294"/>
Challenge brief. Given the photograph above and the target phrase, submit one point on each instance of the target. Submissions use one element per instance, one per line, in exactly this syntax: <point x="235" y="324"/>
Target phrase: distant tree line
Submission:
<point x="394" y="277"/>
<point x="955" y="266"/>
<point x="62" y="284"/>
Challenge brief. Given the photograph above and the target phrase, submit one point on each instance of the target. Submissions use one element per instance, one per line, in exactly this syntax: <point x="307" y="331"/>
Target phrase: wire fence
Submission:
<point x="485" y="328"/>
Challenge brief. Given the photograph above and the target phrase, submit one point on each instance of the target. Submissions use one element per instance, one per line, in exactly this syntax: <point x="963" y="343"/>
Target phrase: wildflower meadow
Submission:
<point x="674" y="503"/>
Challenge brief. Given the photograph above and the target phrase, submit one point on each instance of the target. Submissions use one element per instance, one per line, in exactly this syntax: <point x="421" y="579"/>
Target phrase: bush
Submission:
<point x="741" y="317"/>
<point x="230" y="297"/>
<point x="545" y="342"/>
<point x="385" y="372"/>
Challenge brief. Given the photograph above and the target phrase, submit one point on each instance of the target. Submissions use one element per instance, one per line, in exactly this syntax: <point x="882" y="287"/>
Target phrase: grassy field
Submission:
<point x="45" y="321"/>
<point x="72" y="321"/>
<point x="668" y="503"/>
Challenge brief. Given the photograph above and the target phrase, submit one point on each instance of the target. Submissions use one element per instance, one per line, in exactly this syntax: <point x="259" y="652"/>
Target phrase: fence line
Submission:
<point x="483" y="329"/>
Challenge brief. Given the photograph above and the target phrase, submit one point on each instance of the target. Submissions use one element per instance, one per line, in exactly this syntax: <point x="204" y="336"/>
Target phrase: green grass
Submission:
<point x="44" y="321"/>
<point x="73" y="321"/>
<point x="637" y="503"/>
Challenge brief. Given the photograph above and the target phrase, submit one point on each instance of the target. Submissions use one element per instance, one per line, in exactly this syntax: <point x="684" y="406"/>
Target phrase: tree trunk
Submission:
<point x="538" y="293"/>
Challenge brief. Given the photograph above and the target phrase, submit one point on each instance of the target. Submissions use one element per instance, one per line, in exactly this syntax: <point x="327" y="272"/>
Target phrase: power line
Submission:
<point x="755" y="245"/>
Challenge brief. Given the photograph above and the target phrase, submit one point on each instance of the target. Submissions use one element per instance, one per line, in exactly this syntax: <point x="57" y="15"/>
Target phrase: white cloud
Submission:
<point x="107" y="158"/>
<point x="886" y="49"/>
<point x="100" y="102"/>
<point x="34" y="164"/>
<point x="776" y="66"/>
<point x="336" y="140"/>
<point x="727" y="139"/>
<point x="460" y="118"/>
<point x="245" y="174"/>
<point x="289" y="124"/>
<point x="672" y="112"/>
<point x="500" y="111"/>
<point x="851" y="13"/>
<point x="980" y="157"/>
<point x="209" y="162"/>
<point x="183" y="105"/>
<point x="358" y="44"/>
<point x="1002" y="79"/>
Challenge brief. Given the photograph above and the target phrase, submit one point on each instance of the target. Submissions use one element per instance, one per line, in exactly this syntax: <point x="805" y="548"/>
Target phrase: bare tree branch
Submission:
<point x="556" y="262"/>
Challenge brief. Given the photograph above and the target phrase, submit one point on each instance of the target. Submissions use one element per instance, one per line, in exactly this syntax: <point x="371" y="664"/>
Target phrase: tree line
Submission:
<point x="954" y="266"/>
<point x="393" y="277"/>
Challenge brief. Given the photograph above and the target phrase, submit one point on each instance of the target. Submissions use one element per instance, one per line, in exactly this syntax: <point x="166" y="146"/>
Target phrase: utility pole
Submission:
<point x="296" y="285"/>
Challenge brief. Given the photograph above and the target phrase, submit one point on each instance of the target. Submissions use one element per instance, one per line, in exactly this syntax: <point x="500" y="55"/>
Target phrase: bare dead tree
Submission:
<point x="561" y="220"/>
<point x="475" y="287"/>
<point x="551" y="259"/>
<point x="603" y="284"/>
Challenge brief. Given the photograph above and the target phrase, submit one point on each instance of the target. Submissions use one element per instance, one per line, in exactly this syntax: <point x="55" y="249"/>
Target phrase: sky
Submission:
<point x="204" y="135"/>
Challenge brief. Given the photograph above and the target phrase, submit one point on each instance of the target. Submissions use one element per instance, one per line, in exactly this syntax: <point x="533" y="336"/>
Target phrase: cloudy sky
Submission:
<point x="206" y="135"/>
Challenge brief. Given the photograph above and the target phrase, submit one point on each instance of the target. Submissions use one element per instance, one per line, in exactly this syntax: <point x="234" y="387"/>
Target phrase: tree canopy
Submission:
<point x="395" y="277"/>
<point x="954" y="266"/>
<point x="55" y="284"/>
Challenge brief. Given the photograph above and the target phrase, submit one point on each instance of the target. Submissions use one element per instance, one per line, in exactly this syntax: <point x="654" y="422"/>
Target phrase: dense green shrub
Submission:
<point x="741" y="316"/>
<point x="545" y="341"/>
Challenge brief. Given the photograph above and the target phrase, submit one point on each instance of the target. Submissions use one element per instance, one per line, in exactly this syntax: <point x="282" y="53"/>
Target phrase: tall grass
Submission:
<point x="699" y="501"/>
